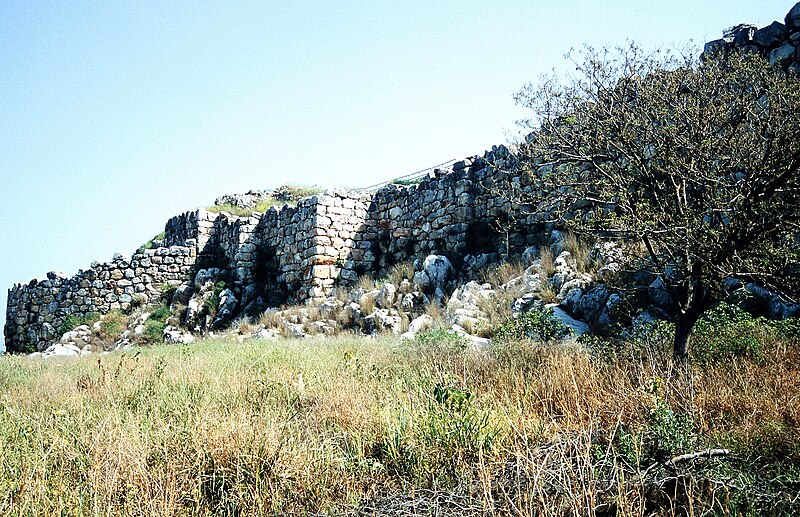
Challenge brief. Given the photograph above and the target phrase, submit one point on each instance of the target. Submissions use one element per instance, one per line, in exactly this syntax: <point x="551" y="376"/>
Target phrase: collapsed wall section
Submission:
<point x="37" y="310"/>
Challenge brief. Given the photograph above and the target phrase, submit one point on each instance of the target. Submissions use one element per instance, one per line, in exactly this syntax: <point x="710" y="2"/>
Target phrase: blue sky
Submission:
<point x="115" y="116"/>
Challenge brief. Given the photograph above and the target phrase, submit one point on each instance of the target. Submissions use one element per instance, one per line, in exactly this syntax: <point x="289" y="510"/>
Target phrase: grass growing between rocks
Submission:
<point x="378" y="427"/>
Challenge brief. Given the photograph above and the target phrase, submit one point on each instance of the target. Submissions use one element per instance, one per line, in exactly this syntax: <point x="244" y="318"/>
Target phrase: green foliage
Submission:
<point x="407" y="182"/>
<point x="149" y="244"/>
<point x="670" y="432"/>
<point x="631" y="129"/>
<point x="539" y="324"/>
<point x="74" y="321"/>
<point x="440" y="338"/>
<point x="212" y="303"/>
<point x="286" y="194"/>
<point x="437" y="446"/>
<point x="155" y="324"/>
<point x="726" y="331"/>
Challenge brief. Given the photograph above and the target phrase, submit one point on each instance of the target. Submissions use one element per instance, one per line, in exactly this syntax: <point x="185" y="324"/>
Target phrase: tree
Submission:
<point x="696" y="159"/>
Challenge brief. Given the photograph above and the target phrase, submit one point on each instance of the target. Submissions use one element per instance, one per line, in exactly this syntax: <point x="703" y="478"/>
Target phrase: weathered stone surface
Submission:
<point x="771" y="35"/>
<point x="783" y="55"/>
<point x="793" y="17"/>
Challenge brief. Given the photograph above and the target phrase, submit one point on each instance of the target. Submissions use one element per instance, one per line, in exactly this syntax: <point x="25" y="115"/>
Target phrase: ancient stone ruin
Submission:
<point x="300" y="254"/>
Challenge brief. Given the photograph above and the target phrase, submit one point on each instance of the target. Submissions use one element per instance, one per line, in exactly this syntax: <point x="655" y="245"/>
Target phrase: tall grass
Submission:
<point x="362" y="426"/>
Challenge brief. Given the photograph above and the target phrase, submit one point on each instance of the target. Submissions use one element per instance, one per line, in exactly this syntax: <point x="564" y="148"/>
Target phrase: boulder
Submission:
<point x="386" y="296"/>
<point x="174" y="335"/>
<point x="793" y="17"/>
<point x="782" y="56"/>
<point x="183" y="294"/>
<point x="439" y="271"/>
<point x="62" y="351"/>
<point x="226" y="308"/>
<point x="717" y="46"/>
<point x="422" y="281"/>
<point x="530" y="254"/>
<point x="421" y="324"/>
<point x="293" y="330"/>
<point x="592" y="303"/>
<point x="476" y="342"/>
<point x="380" y="320"/>
<point x="770" y="36"/>
<point x="577" y="327"/>
<point x="330" y="307"/>
<point x="658" y="294"/>
<point x="770" y="303"/>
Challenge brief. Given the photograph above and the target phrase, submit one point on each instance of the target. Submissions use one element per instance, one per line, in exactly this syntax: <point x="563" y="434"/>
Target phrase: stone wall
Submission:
<point x="291" y="254"/>
<point x="296" y="254"/>
<point x="37" y="309"/>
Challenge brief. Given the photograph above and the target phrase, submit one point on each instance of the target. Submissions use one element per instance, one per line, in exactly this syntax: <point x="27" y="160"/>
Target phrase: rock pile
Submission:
<point x="778" y="42"/>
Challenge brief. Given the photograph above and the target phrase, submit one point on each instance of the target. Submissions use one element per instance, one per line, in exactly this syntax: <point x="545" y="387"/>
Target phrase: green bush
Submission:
<point x="439" y="445"/>
<point x="441" y="338"/>
<point x="149" y="244"/>
<point x="155" y="324"/>
<point x="538" y="324"/>
<point x="726" y="331"/>
<point x="212" y="303"/>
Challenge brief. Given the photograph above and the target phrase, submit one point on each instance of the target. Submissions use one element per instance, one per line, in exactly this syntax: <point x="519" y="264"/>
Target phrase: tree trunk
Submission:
<point x="683" y="334"/>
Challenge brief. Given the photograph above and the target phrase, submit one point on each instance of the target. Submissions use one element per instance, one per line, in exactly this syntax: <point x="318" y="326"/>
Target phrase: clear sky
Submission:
<point x="116" y="115"/>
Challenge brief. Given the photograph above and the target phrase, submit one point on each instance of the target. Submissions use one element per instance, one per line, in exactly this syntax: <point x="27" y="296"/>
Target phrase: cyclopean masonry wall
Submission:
<point x="285" y="255"/>
<point x="297" y="254"/>
<point x="37" y="309"/>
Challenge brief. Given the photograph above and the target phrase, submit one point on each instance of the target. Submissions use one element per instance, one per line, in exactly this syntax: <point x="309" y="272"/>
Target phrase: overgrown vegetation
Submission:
<point x="284" y="195"/>
<point x="151" y="243"/>
<point x="537" y="324"/>
<point x="362" y="426"/>
<point x="72" y="322"/>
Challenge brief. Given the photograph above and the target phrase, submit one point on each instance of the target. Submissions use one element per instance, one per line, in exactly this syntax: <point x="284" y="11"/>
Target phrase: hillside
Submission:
<point x="603" y="319"/>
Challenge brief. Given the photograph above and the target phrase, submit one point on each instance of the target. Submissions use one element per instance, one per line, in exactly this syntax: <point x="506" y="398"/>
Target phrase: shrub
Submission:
<point x="150" y="244"/>
<point x="539" y="324"/>
<point x="441" y="338"/>
<point x="726" y="331"/>
<point x="212" y="303"/>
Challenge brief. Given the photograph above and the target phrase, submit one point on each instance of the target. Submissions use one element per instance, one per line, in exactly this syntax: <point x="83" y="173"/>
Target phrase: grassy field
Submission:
<point x="360" y="426"/>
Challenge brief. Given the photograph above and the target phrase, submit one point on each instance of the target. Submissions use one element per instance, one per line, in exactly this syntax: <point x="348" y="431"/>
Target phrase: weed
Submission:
<point x="74" y="321"/>
<point x="502" y="273"/>
<point x="150" y="244"/>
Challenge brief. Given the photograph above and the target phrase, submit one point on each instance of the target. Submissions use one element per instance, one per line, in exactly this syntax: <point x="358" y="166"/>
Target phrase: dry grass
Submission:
<point x="547" y="266"/>
<point x="270" y="319"/>
<point x="502" y="273"/>
<point x="356" y="426"/>
<point x="400" y="272"/>
<point x="581" y="251"/>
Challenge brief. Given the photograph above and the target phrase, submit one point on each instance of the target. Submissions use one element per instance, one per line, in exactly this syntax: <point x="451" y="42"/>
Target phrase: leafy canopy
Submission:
<point x="698" y="159"/>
